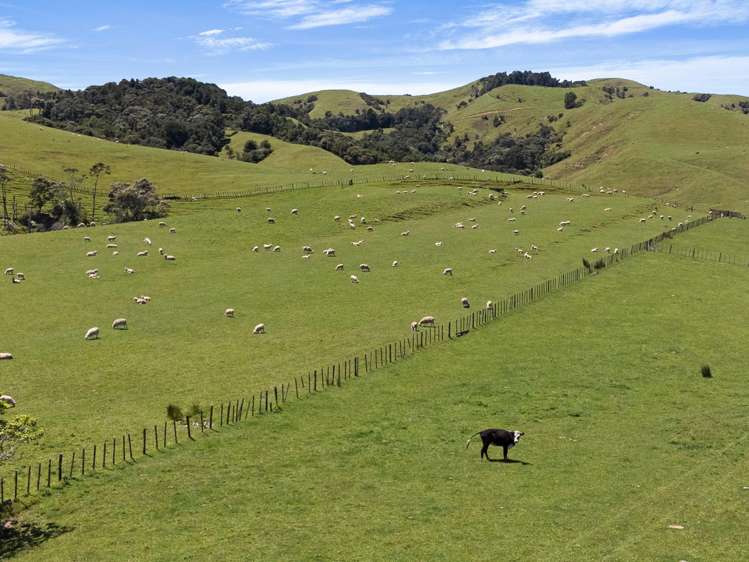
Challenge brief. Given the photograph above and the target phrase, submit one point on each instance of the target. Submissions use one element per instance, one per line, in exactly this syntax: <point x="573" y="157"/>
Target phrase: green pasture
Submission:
<point x="181" y="349"/>
<point x="623" y="439"/>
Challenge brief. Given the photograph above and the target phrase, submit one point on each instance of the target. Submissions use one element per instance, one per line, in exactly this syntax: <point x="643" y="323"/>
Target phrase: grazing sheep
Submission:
<point x="459" y="225"/>
<point x="255" y="248"/>
<point x="229" y="313"/>
<point x="87" y="239"/>
<point x="172" y="230"/>
<point x="129" y="270"/>
<point x="147" y="241"/>
<point x="607" y="209"/>
<point x="560" y="229"/>
<point x="5" y="357"/>
<point x="161" y="251"/>
<point x="405" y="233"/>
<point x="162" y="223"/>
<point x="111" y="245"/>
<point x="395" y="263"/>
<point x="414" y="326"/>
<point x="438" y="244"/>
<point x="92" y="334"/>
<point x="330" y="252"/>
<point x="91" y="254"/>
<point x="427" y="321"/>
<point x="465" y="302"/>
<point x="9" y="271"/>
<point x="115" y="253"/>
<point x="170" y="258"/>
<point x="492" y="251"/>
<point x="516" y="232"/>
<point x="259" y="329"/>
<point x="267" y="246"/>
<point x="527" y="256"/>
<point x="370" y="229"/>
<point x="565" y="223"/>
<point x="642" y="221"/>
<point x="239" y="210"/>
<point x="593" y="250"/>
<point x="364" y="267"/>
<point x="142" y="254"/>
<point x="271" y="220"/>
<point x="337" y="218"/>
<point x="474" y="227"/>
<point x="295" y="211"/>
<point x="276" y="248"/>
<point x="307" y="249"/>
<point x="534" y="248"/>
<point x="92" y="271"/>
<point x="357" y="243"/>
<point x="119" y="324"/>
<point x="354" y="279"/>
<point x="489" y="305"/>
<point x="448" y="271"/>
<point x="339" y="267"/>
<point x="111" y="238"/>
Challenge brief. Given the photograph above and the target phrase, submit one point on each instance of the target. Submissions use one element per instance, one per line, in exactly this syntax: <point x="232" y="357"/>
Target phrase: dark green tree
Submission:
<point x="135" y="202"/>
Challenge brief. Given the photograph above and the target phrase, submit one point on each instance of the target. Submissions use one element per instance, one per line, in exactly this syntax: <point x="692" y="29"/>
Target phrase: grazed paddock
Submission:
<point x="623" y="438"/>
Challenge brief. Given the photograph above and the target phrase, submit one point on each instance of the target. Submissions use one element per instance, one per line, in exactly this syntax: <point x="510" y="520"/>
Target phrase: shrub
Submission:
<point x="701" y="97"/>
<point x="706" y="372"/>
<point x="174" y="412"/>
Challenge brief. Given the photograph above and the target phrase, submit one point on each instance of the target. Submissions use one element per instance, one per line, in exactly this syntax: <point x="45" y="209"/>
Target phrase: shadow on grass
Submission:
<point x="511" y="461"/>
<point x="16" y="536"/>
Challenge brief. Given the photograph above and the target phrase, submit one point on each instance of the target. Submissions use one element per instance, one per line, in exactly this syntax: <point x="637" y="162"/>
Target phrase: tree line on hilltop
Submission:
<point x="184" y="114"/>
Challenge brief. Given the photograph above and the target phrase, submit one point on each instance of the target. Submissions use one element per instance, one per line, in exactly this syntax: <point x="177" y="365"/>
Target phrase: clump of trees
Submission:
<point x="521" y="78"/>
<point x="135" y="201"/>
<point x="175" y="113"/>
<point x="16" y="430"/>
<point x="254" y="152"/>
<point x="52" y="206"/>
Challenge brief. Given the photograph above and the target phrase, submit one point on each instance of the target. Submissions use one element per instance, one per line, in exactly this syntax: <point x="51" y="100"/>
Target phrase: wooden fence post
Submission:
<point x="189" y="432"/>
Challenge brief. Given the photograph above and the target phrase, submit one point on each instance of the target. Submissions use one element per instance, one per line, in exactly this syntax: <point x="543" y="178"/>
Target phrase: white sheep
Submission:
<point x="162" y="223"/>
<point x="172" y="230"/>
<point x="9" y="271"/>
<point x="111" y="245"/>
<point x="354" y="279"/>
<point x="489" y="305"/>
<point x="87" y="239"/>
<point x="147" y="241"/>
<point x="119" y="324"/>
<point x="339" y="267"/>
<point x="239" y="210"/>
<point x="448" y="271"/>
<point x="438" y="244"/>
<point x="307" y="249"/>
<point x="427" y="321"/>
<point x="395" y="263"/>
<point x="364" y="267"/>
<point x="357" y="243"/>
<point x="92" y="334"/>
<point x="474" y="227"/>
<point x="276" y="248"/>
<point x="271" y="220"/>
<point x="465" y="303"/>
<point x="20" y="276"/>
<point x="329" y="252"/>
<point x="516" y="232"/>
<point x="414" y="326"/>
<point x="259" y="329"/>
<point x="295" y="211"/>
<point x="142" y="254"/>
<point x="267" y="246"/>
<point x="170" y="258"/>
<point x="492" y="251"/>
<point x="255" y="249"/>
<point x="268" y="210"/>
<point x="111" y="238"/>
<point x="405" y="233"/>
<point x="115" y="253"/>
<point x="337" y="218"/>
<point x="229" y="313"/>
<point x="91" y="254"/>
<point x="5" y="356"/>
<point x="129" y="270"/>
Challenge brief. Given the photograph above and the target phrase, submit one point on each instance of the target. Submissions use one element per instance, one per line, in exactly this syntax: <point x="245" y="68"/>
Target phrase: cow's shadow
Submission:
<point x="511" y="461"/>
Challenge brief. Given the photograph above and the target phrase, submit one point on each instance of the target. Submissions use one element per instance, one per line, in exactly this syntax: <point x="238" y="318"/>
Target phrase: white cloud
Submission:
<point x="266" y="90"/>
<point x="211" y="32"/>
<point x="712" y="74"/>
<point x="106" y="27"/>
<point x="215" y="43"/>
<point x="311" y="13"/>
<point x="543" y="21"/>
<point x="342" y="16"/>
<point x="12" y="39"/>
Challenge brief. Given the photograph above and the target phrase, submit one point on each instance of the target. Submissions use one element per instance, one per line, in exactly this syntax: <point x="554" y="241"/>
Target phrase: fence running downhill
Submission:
<point x="128" y="447"/>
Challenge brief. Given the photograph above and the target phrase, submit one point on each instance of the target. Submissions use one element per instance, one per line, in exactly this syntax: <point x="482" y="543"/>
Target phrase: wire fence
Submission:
<point x="702" y="254"/>
<point x="128" y="447"/>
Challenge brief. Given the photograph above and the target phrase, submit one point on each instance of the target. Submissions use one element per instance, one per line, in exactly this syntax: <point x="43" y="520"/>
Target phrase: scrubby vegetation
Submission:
<point x="520" y="78"/>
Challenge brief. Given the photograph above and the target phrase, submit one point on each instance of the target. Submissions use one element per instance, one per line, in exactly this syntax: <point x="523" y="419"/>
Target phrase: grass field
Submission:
<point x="623" y="438"/>
<point x="84" y="390"/>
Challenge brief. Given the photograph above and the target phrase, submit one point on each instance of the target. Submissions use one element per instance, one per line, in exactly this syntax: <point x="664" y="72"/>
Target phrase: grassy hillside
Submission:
<point x="624" y="438"/>
<point x="13" y="86"/>
<point x="646" y="141"/>
<point x="37" y="150"/>
<point x="313" y="313"/>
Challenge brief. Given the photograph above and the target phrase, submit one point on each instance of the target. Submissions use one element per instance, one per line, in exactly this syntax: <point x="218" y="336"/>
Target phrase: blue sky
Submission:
<point x="266" y="49"/>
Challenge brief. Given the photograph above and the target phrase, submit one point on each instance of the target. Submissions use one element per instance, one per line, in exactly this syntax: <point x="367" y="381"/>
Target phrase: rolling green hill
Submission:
<point x="13" y="85"/>
<point x="644" y="140"/>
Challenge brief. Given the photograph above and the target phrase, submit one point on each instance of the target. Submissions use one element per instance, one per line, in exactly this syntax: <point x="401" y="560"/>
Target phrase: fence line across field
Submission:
<point x="119" y="449"/>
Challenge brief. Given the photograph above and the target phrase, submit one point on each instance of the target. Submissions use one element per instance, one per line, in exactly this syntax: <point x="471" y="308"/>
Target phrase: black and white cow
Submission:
<point x="498" y="437"/>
